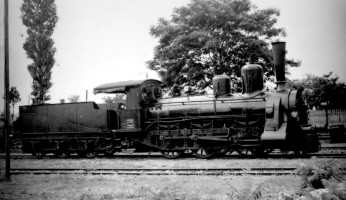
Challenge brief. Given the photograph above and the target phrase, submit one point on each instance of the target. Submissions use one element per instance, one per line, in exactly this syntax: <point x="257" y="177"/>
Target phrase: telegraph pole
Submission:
<point x="7" y="96"/>
<point x="86" y="96"/>
<point x="146" y="74"/>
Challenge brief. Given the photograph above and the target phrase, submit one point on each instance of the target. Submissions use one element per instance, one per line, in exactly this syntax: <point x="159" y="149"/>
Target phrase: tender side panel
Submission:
<point x="74" y="117"/>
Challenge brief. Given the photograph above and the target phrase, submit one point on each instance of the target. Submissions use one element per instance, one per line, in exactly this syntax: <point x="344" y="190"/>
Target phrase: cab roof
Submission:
<point x="122" y="86"/>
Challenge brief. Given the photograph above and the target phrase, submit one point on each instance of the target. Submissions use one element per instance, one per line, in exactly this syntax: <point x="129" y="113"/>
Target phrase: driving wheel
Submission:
<point x="205" y="152"/>
<point x="171" y="154"/>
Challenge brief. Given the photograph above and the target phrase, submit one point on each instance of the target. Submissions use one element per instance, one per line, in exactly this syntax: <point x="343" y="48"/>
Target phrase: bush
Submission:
<point x="323" y="174"/>
<point x="247" y="193"/>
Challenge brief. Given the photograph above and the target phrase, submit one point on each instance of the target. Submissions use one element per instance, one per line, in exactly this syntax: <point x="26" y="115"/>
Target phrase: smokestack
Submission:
<point x="279" y="52"/>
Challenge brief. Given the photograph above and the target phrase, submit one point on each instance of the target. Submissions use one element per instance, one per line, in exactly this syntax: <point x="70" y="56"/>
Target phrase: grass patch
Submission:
<point x="145" y="187"/>
<point x="311" y="173"/>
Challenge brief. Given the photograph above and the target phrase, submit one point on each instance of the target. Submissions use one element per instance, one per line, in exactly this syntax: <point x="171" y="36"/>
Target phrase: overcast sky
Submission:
<point x="107" y="41"/>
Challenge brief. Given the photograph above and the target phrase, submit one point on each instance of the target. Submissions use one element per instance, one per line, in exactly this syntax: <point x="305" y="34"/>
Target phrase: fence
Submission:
<point x="317" y="118"/>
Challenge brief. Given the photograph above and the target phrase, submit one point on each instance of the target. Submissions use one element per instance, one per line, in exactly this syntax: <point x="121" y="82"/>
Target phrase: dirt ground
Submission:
<point x="51" y="162"/>
<point x="148" y="186"/>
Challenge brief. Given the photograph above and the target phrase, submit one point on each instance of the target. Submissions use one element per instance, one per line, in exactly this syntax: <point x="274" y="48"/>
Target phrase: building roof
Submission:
<point x="121" y="87"/>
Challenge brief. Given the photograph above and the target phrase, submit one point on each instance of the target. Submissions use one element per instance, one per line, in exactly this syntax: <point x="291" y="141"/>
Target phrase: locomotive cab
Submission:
<point x="140" y="94"/>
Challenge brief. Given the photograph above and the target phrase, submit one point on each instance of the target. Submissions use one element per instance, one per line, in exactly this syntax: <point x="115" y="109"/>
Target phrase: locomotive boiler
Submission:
<point x="252" y="122"/>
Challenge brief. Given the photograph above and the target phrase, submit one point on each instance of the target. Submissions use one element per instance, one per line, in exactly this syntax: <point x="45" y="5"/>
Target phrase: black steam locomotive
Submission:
<point x="252" y="122"/>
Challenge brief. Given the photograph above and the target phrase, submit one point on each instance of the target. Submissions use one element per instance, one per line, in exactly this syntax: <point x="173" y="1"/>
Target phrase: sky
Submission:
<point x="106" y="41"/>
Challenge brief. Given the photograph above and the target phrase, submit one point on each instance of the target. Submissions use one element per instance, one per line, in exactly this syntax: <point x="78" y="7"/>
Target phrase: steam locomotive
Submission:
<point x="252" y="122"/>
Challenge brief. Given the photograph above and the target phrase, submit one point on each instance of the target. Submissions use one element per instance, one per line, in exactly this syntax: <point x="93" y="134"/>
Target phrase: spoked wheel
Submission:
<point x="110" y="153"/>
<point x="38" y="154"/>
<point x="261" y="152"/>
<point x="90" y="154"/>
<point x="205" y="152"/>
<point x="267" y="151"/>
<point x="299" y="152"/>
<point x="224" y="150"/>
<point x="188" y="152"/>
<point x="62" y="153"/>
<point x="245" y="152"/>
<point x="171" y="154"/>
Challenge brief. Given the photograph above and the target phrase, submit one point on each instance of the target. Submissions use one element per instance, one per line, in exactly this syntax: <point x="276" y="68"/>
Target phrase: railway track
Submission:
<point x="337" y="151"/>
<point x="159" y="156"/>
<point x="158" y="171"/>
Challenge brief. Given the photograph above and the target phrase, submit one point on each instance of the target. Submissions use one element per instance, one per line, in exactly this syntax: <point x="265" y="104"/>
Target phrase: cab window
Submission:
<point x="157" y="92"/>
<point x="144" y="94"/>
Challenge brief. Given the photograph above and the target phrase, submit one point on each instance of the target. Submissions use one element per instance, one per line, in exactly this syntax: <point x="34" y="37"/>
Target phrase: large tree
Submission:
<point x="40" y="17"/>
<point x="320" y="92"/>
<point x="14" y="98"/>
<point x="211" y="37"/>
<point x="115" y="102"/>
<point x="74" y="98"/>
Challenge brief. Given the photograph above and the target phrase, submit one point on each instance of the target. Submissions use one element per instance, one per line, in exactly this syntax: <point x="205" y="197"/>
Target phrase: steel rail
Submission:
<point x="157" y="171"/>
<point x="159" y="156"/>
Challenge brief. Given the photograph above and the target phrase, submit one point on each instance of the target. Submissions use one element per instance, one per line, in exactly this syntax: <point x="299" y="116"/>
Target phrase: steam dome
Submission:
<point x="221" y="85"/>
<point x="252" y="78"/>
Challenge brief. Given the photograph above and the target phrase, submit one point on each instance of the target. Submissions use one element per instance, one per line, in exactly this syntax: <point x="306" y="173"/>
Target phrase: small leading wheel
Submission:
<point x="267" y="151"/>
<point x="205" y="152"/>
<point x="171" y="154"/>
<point x="261" y="152"/>
<point x="299" y="152"/>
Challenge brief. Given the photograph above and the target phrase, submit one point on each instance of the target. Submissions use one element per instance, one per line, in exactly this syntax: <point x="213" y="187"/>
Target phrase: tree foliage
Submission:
<point x="319" y="91"/>
<point x="211" y="37"/>
<point x="322" y="174"/>
<point x="73" y="98"/>
<point x="14" y="98"/>
<point x="115" y="102"/>
<point x="40" y="17"/>
<point x="118" y="98"/>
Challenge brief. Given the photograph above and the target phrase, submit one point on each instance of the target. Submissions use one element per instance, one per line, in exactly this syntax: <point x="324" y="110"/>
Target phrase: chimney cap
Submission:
<point x="278" y="42"/>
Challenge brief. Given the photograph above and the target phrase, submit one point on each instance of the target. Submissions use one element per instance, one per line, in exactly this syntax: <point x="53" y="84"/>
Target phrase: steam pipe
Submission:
<point x="279" y="52"/>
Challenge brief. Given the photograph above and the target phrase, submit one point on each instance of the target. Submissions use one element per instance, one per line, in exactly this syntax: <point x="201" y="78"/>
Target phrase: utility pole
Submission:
<point x="146" y="75"/>
<point x="7" y="96"/>
<point x="86" y="96"/>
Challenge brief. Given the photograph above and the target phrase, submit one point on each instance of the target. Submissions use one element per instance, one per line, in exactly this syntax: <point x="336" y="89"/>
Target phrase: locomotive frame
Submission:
<point x="254" y="121"/>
